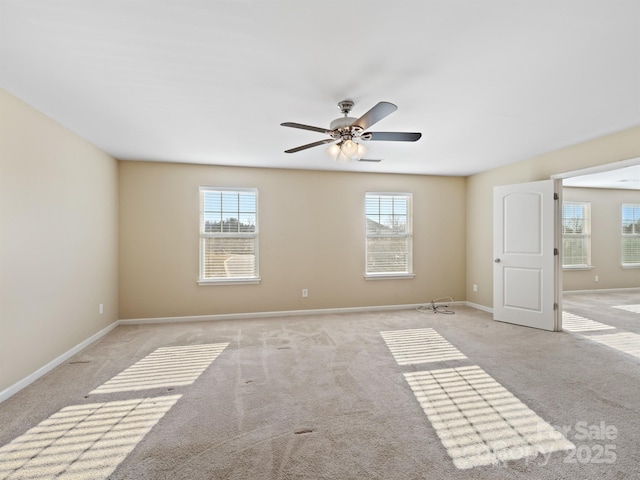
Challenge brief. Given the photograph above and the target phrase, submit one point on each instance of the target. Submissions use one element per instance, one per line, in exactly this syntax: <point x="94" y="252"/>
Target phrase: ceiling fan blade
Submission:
<point x="310" y="145"/>
<point x="377" y="113"/>
<point x="306" y="127"/>
<point x="391" y="136"/>
<point x="370" y="160"/>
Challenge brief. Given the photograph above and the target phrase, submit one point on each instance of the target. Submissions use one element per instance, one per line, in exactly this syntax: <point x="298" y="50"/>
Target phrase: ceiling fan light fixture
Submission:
<point x="334" y="150"/>
<point x="349" y="148"/>
<point x="342" y="158"/>
<point x="337" y="152"/>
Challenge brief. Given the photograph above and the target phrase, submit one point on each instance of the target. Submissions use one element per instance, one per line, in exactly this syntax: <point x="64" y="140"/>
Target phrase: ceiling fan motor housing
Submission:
<point x="341" y="122"/>
<point x="342" y="127"/>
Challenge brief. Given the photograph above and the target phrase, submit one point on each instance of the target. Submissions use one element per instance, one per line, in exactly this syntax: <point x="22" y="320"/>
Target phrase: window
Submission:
<point x="389" y="234"/>
<point x="576" y="234"/>
<point x="630" y="235"/>
<point x="228" y="235"/>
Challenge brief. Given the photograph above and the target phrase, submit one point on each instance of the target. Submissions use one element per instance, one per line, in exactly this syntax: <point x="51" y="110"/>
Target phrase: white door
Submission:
<point x="525" y="270"/>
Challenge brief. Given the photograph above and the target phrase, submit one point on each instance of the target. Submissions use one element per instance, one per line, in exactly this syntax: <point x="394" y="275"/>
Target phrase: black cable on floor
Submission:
<point x="433" y="308"/>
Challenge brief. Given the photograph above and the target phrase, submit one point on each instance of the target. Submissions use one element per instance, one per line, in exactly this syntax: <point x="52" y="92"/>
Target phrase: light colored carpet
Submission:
<point x="386" y="395"/>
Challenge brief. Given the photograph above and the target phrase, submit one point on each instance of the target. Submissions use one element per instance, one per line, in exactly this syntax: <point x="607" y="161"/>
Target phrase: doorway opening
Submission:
<point x="599" y="291"/>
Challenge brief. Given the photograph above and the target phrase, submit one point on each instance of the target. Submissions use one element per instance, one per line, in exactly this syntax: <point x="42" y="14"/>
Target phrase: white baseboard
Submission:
<point x="479" y="307"/>
<point x="19" y="385"/>
<point x="601" y="290"/>
<point x="285" y="313"/>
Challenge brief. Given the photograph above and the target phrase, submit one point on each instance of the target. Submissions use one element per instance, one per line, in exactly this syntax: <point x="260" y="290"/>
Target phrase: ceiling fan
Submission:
<point x="347" y="131"/>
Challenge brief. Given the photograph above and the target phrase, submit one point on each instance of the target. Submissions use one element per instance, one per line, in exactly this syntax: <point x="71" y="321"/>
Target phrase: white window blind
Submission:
<point x="389" y="233"/>
<point x="228" y="234"/>
<point x="576" y="234"/>
<point x="631" y="235"/>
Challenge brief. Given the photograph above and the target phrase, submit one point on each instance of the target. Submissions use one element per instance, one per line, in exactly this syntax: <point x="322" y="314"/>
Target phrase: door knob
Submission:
<point x="497" y="260"/>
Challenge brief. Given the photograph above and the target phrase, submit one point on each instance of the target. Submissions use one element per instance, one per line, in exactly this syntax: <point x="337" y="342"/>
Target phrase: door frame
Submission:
<point x="559" y="177"/>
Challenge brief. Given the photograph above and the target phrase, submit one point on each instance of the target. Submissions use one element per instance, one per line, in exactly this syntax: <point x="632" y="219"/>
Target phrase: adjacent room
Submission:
<point x="278" y="239"/>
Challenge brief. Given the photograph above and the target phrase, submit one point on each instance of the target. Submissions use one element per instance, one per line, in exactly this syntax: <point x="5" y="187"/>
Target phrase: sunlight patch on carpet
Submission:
<point x="164" y="367"/>
<point x="479" y="421"/>
<point x="420" y="345"/>
<point x="575" y="323"/>
<point x="82" y="441"/>
<point x="627" y="342"/>
<point x="629" y="308"/>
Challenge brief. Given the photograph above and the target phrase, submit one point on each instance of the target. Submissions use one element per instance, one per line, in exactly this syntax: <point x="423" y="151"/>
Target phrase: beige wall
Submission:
<point x="606" y="207"/>
<point x="311" y="236"/>
<point x="609" y="149"/>
<point x="58" y="240"/>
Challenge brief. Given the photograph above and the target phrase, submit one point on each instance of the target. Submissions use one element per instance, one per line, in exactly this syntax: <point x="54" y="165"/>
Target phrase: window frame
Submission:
<point x="202" y="236"/>
<point x="408" y="235"/>
<point x="635" y="220"/>
<point x="586" y="236"/>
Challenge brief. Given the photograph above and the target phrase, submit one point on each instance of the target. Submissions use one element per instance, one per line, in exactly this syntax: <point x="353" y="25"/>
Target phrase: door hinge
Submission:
<point x="556" y="196"/>
<point x="556" y="252"/>
<point x="555" y="306"/>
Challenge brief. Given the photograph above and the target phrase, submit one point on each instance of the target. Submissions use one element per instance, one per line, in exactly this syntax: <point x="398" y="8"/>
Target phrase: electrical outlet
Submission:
<point x="101" y="309"/>
<point x="305" y="293"/>
<point x="475" y="287"/>
<point x="596" y="278"/>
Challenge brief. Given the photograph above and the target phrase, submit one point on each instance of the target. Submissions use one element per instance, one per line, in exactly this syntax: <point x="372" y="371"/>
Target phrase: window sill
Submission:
<point x="577" y="267"/>
<point x="228" y="281"/>
<point x="630" y="265"/>
<point x="389" y="276"/>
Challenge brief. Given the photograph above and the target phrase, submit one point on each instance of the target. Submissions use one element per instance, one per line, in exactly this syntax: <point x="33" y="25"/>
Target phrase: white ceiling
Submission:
<point x="487" y="82"/>
<point x="627" y="178"/>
